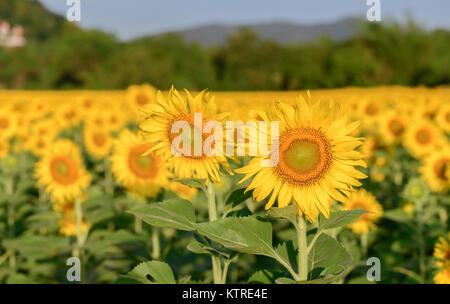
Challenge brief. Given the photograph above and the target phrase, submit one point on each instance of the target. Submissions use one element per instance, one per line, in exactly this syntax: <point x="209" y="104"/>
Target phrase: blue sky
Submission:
<point x="132" y="18"/>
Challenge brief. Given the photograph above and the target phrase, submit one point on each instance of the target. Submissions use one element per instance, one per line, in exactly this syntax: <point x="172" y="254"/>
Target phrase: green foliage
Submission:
<point x="61" y="56"/>
<point x="174" y="213"/>
<point x="340" y="219"/>
<point x="155" y="272"/>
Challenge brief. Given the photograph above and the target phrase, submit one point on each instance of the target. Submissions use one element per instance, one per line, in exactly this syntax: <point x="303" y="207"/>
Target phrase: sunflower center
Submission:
<point x="4" y="123"/>
<point x="440" y="168"/>
<point x="305" y="155"/>
<point x="144" y="162"/>
<point x="99" y="139"/>
<point x="143" y="166"/>
<point x="423" y="136"/>
<point x="142" y="99"/>
<point x="64" y="170"/>
<point x="70" y="115"/>
<point x="396" y="127"/>
<point x="371" y="109"/>
<point x="88" y="103"/>
<point x="416" y="191"/>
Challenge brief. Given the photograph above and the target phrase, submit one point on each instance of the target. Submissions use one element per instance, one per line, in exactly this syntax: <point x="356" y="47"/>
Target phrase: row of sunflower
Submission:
<point x="360" y="173"/>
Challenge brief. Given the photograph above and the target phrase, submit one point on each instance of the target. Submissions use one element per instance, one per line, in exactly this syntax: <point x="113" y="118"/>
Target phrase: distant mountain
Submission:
<point x="282" y="32"/>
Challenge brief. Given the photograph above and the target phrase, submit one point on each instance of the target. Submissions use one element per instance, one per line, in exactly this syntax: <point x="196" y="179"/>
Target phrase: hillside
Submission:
<point x="37" y="21"/>
<point x="281" y="32"/>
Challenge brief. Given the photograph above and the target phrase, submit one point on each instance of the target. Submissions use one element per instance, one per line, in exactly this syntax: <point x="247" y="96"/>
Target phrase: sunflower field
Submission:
<point x="362" y="180"/>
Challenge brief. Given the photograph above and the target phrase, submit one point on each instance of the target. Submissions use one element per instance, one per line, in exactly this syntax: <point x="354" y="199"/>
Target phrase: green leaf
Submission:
<point x="102" y="241"/>
<point x="18" y="278"/>
<point x="340" y="218"/>
<point x="238" y="196"/>
<point x="155" y="272"/>
<point x="397" y="215"/>
<point x="197" y="247"/>
<point x="289" y="213"/>
<point x="38" y="247"/>
<point x="174" y="213"/>
<point x="285" y="281"/>
<point x="193" y="182"/>
<point x="98" y="208"/>
<point x="244" y="234"/>
<point x="288" y="252"/>
<point x="328" y="257"/>
<point x="264" y="277"/>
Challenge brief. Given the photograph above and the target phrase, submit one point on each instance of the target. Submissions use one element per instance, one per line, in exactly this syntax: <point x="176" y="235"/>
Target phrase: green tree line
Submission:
<point x="59" y="55"/>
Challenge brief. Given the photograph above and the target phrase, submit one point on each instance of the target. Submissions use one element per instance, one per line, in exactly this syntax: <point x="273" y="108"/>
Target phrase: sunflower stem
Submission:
<point x="302" y="249"/>
<point x="80" y="234"/>
<point x="364" y="243"/>
<point x="9" y="190"/>
<point x="419" y="215"/>
<point x="109" y="186"/>
<point x="156" y="248"/>
<point x="137" y="225"/>
<point x="212" y="211"/>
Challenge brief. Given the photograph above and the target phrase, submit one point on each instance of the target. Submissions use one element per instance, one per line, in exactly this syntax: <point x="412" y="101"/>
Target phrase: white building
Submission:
<point x="11" y="38"/>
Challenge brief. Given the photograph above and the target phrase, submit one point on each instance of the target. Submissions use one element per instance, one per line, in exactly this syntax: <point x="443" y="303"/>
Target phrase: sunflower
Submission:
<point x="422" y="138"/>
<point x="4" y="147"/>
<point x="142" y="174"/>
<point x="115" y="118"/>
<point x="156" y="129"/>
<point x="45" y="128"/>
<point x="361" y="199"/>
<point x="138" y="96"/>
<point x="61" y="171"/>
<point x="392" y="127"/>
<point x="434" y="170"/>
<point x="96" y="120"/>
<point x="68" y="115"/>
<point x="8" y="123"/>
<point x="416" y="190"/>
<point x="183" y="191"/>
<point x="86" y="103"/>
<point x="316" y="161"/>
<point x="370" y="111"/>
<point x="39" y="108"/>
<point x="38" y="145"/>
<point x="443" y="118"/>
<point x="98" y="141"/>
<point x="442" y="253"/>
<point x="68" y="220"/>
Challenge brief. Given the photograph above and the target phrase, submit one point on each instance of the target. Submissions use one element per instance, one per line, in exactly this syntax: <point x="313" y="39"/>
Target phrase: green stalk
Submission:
<point x="137" y="225"/>
<point x="364" y="243"/>
<point x="9" y="190"/>
<point x="419" y="215"/>
<point x="109" y="186"/>
<point x="212" y="210"/>
<point x="302" y="249"/>
<point x="156" y="248"/>
<point x="81" y="237"/>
